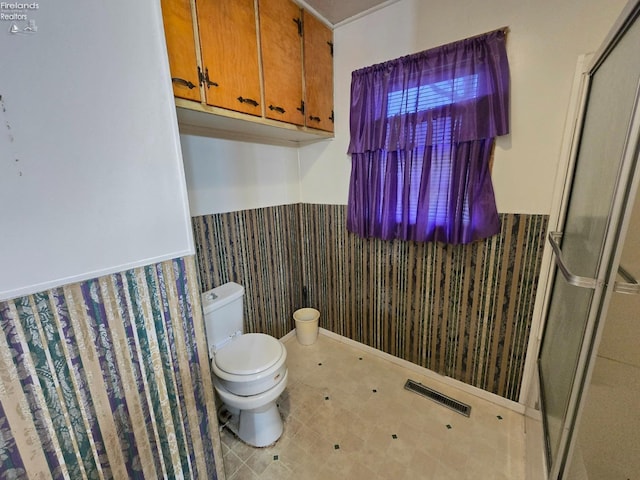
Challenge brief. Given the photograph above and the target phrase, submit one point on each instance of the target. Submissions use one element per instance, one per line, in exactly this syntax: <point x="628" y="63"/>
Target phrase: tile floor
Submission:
<point x="347" y="416"/>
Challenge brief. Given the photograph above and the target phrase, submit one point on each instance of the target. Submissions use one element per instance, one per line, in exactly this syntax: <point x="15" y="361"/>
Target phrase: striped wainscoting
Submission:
<point x="460" y="310"/>
<point x="259" y="249"/>
<point x="109" y="378"/>
<point x="463" y="311"/>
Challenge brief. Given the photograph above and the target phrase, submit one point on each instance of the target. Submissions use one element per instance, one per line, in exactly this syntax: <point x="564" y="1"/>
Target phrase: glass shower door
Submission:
<point x="586" y="248"/>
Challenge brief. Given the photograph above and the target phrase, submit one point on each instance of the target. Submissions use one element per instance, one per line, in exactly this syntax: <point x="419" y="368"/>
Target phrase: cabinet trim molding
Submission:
<point x="204" y="120"/>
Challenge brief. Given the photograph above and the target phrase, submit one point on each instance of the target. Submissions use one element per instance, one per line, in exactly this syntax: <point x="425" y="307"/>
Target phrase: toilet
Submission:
<point x="250" y="370"/>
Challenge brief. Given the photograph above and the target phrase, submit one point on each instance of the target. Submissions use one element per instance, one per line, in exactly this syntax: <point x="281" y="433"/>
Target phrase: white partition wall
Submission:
<point x="91" y="176"/>
<point x="226" y="175"/>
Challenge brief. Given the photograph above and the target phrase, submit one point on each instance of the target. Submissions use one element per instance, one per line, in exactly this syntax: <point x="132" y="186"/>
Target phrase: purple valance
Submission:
<point x="400" y="104"/>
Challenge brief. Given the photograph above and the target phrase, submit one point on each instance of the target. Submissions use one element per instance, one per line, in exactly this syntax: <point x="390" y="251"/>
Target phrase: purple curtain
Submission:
<point x="422" y="130"/>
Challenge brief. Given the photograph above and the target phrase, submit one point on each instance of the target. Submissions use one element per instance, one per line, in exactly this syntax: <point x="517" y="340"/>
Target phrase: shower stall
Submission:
<point x="589" y="352"/>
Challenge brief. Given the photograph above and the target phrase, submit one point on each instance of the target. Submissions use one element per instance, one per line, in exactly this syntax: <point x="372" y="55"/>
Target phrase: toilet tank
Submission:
<point x="223" y="313"/>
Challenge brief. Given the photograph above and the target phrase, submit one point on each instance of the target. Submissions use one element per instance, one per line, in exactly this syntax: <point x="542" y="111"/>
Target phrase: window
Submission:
<point x="439" y="178"/>
<point x="426" y="97"/>
<point x="422" y="130"/>
<point x="420" y="99"/>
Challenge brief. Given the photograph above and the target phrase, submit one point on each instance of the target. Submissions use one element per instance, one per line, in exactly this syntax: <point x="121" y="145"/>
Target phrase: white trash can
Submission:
<point x="306" y="325"/>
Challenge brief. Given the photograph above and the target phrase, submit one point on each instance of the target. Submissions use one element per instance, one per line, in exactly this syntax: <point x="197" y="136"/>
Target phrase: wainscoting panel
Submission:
<point x="109" y="378"/>
<point x="260" y="250"/>
<point x="463" y="311"/>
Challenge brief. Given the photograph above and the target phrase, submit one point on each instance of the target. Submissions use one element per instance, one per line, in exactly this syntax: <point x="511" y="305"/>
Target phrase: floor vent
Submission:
<point x="438" y="397"/>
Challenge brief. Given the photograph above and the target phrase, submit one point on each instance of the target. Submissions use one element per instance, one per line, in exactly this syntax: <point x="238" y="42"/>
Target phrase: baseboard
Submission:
<point x="478" y="392"/>
<point x="533" y="414"/>
<point x="292" y="333"/>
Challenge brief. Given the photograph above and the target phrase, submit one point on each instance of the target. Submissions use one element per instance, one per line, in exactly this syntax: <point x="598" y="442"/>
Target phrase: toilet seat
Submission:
<point x="249" y="354"/>
<point x="261" y="354"/>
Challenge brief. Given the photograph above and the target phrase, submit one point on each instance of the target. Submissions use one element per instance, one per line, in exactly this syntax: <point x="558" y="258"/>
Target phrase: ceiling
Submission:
<point x="335" y="11"/>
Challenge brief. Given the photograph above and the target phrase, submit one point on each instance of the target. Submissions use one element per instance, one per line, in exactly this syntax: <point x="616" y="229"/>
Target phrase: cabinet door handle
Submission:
<point x="314" y="119"/>
<point x="332" y="118"/>
<point x="250" y="101"/>
<point x="208" y="82"/>
<point x="301" y="107"/>
<point x="276" y="108"/>
<point x="299" y="23"/>
<point x="183" y="82"/>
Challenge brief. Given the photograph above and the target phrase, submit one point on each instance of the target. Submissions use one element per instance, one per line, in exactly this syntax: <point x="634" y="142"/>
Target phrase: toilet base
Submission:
<point x="260" y="427"/>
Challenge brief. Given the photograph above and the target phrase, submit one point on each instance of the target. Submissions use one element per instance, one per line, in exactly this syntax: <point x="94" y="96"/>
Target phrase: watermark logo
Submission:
<point x="19" y="16"/>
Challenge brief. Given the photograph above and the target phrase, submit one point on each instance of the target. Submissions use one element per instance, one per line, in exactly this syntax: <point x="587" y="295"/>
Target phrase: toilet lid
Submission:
<point x="248" y="354"/>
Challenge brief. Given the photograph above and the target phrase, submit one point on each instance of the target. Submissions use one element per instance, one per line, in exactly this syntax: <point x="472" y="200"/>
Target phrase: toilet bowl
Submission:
<point x="250" y="371"/>
<point x="255" y="419"/>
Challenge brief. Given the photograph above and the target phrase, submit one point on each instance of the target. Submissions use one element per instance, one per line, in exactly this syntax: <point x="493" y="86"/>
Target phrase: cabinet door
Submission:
<point x="229" y="46"/>
<point x="281" y="47"/>
<point x="181" y="46"/>
<point x="318" y="73"/>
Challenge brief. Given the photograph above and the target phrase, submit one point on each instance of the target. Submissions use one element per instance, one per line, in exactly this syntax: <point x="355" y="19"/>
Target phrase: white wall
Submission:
<point x="546" y="37"/>
<point x="226" y="176"/>
<point x="91" y="176"/>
